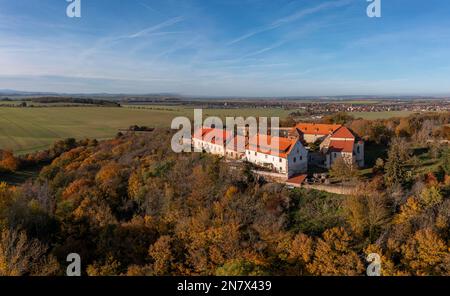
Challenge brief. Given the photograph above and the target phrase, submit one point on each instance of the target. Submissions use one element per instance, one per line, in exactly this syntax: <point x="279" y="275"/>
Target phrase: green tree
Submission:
<point x="395" y="171"/>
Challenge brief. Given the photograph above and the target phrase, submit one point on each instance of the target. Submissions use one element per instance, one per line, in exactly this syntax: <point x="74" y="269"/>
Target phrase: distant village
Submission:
<point x="333" y="107"/>
<point x="313" y="106"/>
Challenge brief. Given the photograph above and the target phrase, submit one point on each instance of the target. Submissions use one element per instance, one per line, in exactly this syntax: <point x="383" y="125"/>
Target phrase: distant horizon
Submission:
<point x="15" y="92"/>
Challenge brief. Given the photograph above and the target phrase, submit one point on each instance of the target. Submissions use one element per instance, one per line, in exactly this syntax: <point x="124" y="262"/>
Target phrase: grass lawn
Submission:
<point x="426" y="163"/>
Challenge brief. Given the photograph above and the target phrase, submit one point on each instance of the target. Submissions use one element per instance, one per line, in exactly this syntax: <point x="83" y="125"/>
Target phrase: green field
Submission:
<point x="220" y="112"/>
<point x="29" y="129"/>
<point x="359" y="102"/>
<point x="381" y="115"/>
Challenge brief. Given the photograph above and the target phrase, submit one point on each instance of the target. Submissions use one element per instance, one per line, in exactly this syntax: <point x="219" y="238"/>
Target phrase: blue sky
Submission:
<point x="227" y="47"/>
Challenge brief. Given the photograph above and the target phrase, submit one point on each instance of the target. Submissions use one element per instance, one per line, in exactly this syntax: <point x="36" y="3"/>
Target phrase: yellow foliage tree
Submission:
<point x="426" y="254"/>
<point x="162" y="255"/>
<point x="333" y="255"/>
<point x="407" y="211"/>
<point x="110" y="267"/>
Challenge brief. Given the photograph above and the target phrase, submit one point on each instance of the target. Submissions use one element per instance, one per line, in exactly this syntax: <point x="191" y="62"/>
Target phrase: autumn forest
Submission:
<point x="131" y="206"/>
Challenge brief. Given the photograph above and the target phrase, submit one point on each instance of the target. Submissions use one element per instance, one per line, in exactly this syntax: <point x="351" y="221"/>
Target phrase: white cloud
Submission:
<point x="291" y="18"/>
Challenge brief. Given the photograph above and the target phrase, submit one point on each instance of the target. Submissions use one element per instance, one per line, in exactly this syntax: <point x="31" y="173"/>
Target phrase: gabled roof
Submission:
<point x="343" y="133"/>
<point x="264" y="143"/>
<point x="317" y="128"/>
<point x="214" y="136"/>
<point x="341" y="146"/>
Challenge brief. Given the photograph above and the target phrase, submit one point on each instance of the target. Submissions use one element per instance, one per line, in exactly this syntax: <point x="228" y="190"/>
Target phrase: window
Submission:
<point x="255" y="153"/>
<point x="357" y="149"/>
<point x="281" y="160"/>
<point x="295" y="159"/>
<point x="301" y="157"/>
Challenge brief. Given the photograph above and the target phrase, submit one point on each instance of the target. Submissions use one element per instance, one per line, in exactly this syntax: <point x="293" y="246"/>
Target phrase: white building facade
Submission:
<point x="287" y="156"/>
<point x="219" y="142"/>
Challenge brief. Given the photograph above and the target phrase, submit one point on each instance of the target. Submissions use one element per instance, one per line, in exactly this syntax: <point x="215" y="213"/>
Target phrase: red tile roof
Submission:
<point x="199" y="134"/>
<point x="341" y="146"/>
<point x="214" y="136"/>
<point x="317" y="128"/>
<point x="297" y="180"/>
<point x="236" y="141"/>
<point x="264" y="143"/>
<point x="343" y="133"/>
